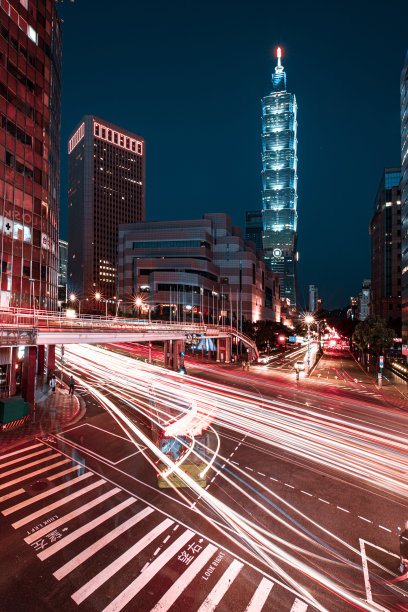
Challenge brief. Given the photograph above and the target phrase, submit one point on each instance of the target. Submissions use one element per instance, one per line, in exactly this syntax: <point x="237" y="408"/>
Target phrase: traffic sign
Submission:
<point x="381" y="361"/>
<point x="182" y="353"/>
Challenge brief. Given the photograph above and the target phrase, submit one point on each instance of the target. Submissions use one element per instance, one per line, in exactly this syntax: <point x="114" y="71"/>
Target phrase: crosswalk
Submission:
<point x="110" y="550"/>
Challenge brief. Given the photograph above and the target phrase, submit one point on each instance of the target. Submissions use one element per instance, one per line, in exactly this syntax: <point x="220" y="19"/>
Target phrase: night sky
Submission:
<point x="189" y="77"/>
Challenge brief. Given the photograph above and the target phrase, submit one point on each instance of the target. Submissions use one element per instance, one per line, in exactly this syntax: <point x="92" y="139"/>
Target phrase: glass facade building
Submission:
<point x="279" y="182"/>
<point x="30" y="92"/>
<point x="404" y="198"/>
<point x="385" y="232"/>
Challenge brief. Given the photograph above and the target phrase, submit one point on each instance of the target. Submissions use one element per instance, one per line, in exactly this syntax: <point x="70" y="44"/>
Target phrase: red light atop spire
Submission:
<point x="279" y="52"/>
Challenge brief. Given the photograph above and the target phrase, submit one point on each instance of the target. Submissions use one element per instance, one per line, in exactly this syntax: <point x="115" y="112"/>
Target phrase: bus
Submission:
<point x="195" y="462"/>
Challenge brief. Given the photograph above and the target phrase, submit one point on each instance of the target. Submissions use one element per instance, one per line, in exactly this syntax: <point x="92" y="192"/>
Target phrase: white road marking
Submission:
<point x="22" y="450"/>
<point x="260" y="473"/>
<point x="24" y="467"/>
<point x="110" y="570"/>
<point x="184" y="580"/>
<point x="323" y="500"/>
<point x="24" y="457"/>
<point x="343" y="509"/>
<point x="74" y="535"/>
<point x="260" y="596"/>
<point x="65" y="472"/>
<point x="214" y="597"/>
<point x="288" y="485"/>
<point x="67" y="517"/>
<point x="299" y="606"/>
<point x="134" y="587"/>
<point x="36" y="498"/>
<point x="58" y="503"/>
<point x="81" y="557"/>
<point x="364" y="519"/>
<point x="12" y="494"/>
<point x="32" y="474"/>
<point x="306" y="493"/>
<point x="385" y="528"/>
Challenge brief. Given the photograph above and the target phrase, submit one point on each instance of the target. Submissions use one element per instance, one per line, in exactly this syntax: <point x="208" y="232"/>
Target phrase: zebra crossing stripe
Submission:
<point x="68" y="471"/>
<point x="16" y="460"/>
<point x="150" y="572"/>
<point x="12" y="494"/>
<point x="298" y="606"/>
<point x="213" y="599"/>
<point x="85" y="591"/>
<point x="74" y="535"/>
<point x="22" y="450"/>
<point x="58" y="503"/>
<point x="32" y="500"/>
<point x="260" y="596"/>
<point x="64" y="519"/>
<point x="32" y="474"/>
<point x="184" y="580"/>
<point x="99" y="544"/>
<point x="24" y="467"/>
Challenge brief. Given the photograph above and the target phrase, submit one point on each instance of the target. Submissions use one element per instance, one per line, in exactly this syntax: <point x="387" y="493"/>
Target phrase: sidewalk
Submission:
<point x="53" y="410"/>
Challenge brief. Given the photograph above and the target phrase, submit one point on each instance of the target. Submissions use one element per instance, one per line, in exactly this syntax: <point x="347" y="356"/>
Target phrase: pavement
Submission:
<point x="51" y="412"/>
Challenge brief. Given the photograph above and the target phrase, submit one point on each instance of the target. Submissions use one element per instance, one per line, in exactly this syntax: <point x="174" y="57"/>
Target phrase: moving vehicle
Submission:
<point x="195" y="461"/>
<point x="264" y="359"/>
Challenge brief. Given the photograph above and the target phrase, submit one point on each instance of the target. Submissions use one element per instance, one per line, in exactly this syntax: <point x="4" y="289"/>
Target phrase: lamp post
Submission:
<point x="117" y="307"/>
<point x="74" y="298"/>
<point x="309" y="319"/>
<point x="138" y="303"/>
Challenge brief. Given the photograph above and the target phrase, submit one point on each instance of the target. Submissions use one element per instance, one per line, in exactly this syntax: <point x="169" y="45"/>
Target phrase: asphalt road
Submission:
<point x="311" y="482"/>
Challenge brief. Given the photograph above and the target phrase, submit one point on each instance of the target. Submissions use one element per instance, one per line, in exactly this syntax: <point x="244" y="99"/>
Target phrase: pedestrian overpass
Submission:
<point x="25" y="327"/>
<point x="40" y="331"/>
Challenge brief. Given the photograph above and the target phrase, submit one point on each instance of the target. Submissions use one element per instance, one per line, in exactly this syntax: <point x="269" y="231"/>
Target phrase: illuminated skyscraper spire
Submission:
<point x="279" y="181"/>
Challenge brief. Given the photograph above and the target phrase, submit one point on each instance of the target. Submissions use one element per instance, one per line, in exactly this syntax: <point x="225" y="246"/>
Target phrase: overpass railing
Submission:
<point x="25" y="323"/>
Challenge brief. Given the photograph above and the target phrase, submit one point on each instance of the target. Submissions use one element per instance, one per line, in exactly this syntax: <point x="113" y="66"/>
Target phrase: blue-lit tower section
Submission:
<point x="279" y="182"/>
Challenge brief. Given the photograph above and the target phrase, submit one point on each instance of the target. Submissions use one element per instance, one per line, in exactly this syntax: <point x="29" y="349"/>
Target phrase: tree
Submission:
<point x="372" y="335"/>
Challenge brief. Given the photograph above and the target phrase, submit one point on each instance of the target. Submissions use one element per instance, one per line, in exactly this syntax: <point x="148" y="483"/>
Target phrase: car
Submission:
<point x="300" y="365"/>
<point x="264" y="359"/>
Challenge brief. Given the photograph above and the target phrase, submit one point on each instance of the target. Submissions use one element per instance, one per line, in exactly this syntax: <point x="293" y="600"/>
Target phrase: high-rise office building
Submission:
<point x="62" y="272"/>
<point x="313" y="298"/>
<point x="385" y="231"/>
<point x="404" y="202"/>
<point x="62" y="262"/>
<point x="253" y="227"/>
<point x="30" y="93"/>
<point x="364" y="298"/>
<point x="106" y="187"/>
<point x="279" y="182"/>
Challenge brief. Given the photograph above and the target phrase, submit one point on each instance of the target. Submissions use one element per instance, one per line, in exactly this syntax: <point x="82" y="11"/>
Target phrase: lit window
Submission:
<point x="32" y="34"/>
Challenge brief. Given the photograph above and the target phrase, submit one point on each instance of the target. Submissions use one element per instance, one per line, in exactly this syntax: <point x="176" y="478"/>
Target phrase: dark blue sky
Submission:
<point x="189" y="76"/>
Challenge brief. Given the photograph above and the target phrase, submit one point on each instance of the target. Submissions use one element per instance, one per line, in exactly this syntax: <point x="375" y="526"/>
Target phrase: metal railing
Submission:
<point x="22" y="323"/>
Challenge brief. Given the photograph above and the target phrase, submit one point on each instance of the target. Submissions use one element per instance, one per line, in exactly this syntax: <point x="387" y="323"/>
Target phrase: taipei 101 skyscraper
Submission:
<point x="279" y="182"/>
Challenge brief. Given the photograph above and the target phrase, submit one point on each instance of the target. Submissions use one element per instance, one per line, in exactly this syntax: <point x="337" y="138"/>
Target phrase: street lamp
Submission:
<point x="74" y="298"/>
<point x="309" y="319"/>
<point x="98" y="298"/>
<point x="117" y="307"/>
<point x="138" y="303"/>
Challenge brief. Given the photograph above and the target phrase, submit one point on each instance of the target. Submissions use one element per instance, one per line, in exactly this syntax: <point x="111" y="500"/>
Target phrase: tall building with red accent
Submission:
<point x="106" y="187"/>
<point x="30" y="92"/>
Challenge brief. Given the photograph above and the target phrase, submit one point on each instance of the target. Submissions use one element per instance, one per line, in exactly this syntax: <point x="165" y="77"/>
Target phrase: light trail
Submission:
<point x="375" y="456"/>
